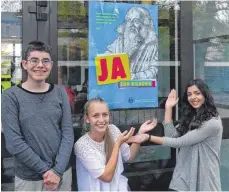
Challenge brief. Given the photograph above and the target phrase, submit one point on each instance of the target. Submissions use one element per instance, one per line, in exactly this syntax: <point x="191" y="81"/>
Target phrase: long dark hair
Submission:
<point x="192" y="118"/>
<point x="108" y="140"/>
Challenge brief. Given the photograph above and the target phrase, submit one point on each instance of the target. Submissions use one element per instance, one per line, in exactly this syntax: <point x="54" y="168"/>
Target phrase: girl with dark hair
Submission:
<point x="100" y="152"/>
<point x="198" y="137"/>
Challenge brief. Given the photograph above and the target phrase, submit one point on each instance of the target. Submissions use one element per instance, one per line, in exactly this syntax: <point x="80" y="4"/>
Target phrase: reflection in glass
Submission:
<point x="210" y="19"/>
<point x="73" y="53"/>
<point x="212" y="65"/>
<point x="11" y="34"/>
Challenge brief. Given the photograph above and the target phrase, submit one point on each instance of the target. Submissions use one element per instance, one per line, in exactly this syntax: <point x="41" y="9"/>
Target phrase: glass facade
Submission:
<point x="73" y="53"/>
<point x="209" y="48"/>
<point x="11" y="43"/>
<point x="73" y="68"/>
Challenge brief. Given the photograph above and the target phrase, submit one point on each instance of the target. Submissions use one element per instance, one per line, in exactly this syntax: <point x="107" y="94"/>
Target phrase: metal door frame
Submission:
<point x="39" y="22"/>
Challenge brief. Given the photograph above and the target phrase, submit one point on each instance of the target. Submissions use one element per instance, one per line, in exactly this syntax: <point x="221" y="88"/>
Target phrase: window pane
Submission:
<point x="11" y="34"/>
<point x="73" y="75"/>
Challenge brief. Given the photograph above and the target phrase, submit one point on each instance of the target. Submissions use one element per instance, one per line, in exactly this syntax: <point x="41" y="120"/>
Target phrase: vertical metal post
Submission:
<point x="40" y="23"/>
<point x="186" y="44"/>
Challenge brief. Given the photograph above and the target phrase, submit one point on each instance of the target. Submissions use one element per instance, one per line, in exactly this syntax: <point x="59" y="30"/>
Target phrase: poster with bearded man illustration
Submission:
<point x="123" y="54"/>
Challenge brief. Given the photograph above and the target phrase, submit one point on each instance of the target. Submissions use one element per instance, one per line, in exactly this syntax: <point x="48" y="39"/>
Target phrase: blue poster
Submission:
<point x="123" y="54"/>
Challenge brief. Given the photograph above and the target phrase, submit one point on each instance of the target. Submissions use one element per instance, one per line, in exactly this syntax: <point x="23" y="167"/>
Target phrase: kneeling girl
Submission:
<point x="100" y="152"/>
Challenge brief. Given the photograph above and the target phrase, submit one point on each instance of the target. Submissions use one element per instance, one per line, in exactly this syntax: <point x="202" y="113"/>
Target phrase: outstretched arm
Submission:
<point x="141" y="137"/>
<point x="94" y="166"/>
<point x="208" y="129"/>
<point x="109" y="170"/>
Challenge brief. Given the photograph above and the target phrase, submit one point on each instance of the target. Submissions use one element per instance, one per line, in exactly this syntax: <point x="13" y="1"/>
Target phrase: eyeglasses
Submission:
<point x="35" y="61"/>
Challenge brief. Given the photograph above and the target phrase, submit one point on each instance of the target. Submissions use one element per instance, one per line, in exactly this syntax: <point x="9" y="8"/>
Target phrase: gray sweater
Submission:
<point x="38" y="130"/>
<point x="198" y="162"/>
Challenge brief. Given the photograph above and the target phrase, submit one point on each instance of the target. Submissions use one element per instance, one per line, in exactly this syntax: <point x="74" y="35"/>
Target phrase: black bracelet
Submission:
<point x="149" y="138"/>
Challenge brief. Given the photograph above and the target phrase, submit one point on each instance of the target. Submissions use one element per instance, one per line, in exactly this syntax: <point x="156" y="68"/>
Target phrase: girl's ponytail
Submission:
<point x="108" y="144"/>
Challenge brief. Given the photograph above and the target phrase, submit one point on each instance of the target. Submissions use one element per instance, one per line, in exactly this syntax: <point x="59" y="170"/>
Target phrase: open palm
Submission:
<point x="123" y="137"/>
<point x="172" y="99"/>
<point x="147" y="126"/>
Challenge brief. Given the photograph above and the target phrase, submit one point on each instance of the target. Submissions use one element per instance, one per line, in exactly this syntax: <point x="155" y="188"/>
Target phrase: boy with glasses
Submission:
<point x="37" y="125"/>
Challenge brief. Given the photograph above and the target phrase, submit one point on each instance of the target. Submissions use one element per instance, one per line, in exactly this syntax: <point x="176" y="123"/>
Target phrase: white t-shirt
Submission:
<point x="91" y="161"/>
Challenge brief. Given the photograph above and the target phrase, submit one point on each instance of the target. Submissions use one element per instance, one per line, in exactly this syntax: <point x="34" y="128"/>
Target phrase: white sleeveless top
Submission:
<point x="90" y="164"/>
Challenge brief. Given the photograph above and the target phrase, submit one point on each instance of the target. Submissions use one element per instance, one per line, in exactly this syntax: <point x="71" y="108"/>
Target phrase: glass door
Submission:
<point x="153" y="167"/>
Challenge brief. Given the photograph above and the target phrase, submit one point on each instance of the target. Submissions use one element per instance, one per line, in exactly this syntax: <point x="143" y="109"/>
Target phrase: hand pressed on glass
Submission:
<point x="172" y="99"/>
